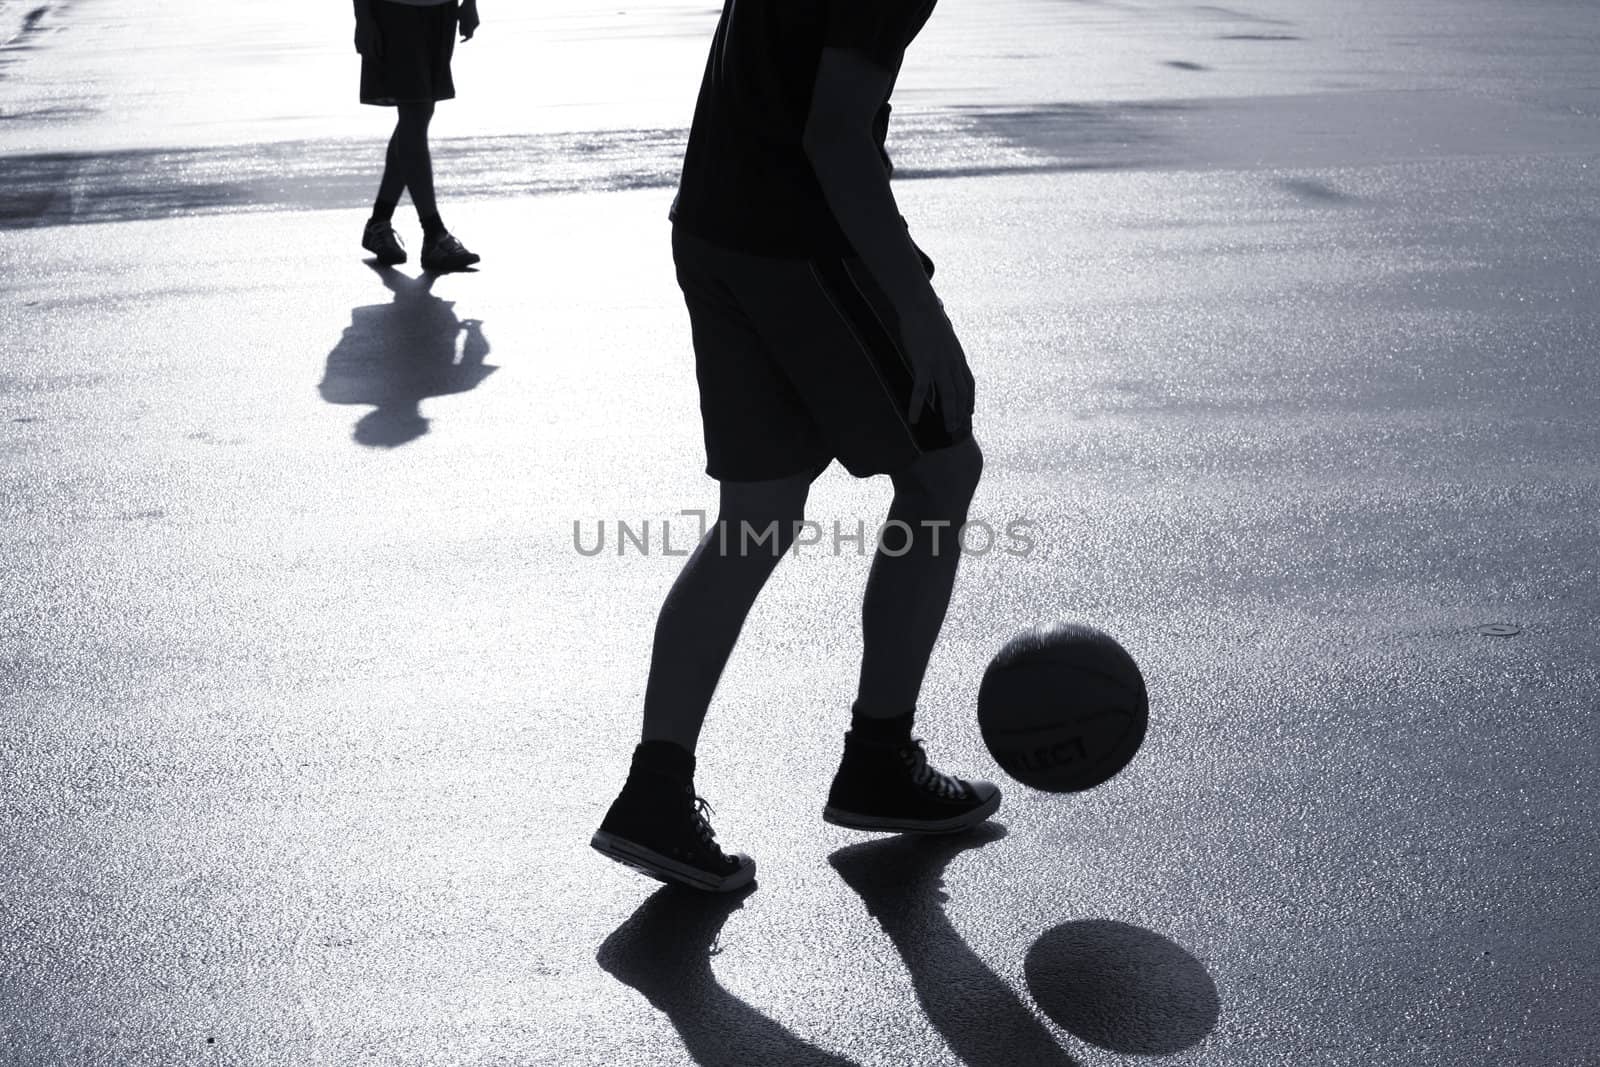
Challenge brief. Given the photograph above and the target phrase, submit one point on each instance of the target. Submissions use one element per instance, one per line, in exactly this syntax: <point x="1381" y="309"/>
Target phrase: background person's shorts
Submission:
<point x="799" y="363"/>
<point x="418" y="43"/>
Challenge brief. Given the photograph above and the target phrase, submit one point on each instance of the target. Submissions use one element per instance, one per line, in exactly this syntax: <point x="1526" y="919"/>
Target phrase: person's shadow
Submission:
<point x="1107" y="983"/>
<point x="394" y="356"/>
<point x="664" y="951"/>
<point x="900" y="880"/>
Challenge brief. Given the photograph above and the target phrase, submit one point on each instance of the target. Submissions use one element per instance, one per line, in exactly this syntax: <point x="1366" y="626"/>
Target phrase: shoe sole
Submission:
<point x="954" y="824"/>
<point x="450" y="266"/>
<point x="665" y="869"/>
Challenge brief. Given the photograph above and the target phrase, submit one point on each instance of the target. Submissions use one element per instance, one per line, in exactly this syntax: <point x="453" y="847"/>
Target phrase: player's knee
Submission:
<point x="968" y="464"/>
<point x="414" y="117"/>
<point x="947" y="479"/>
<point x="766" y="513"/>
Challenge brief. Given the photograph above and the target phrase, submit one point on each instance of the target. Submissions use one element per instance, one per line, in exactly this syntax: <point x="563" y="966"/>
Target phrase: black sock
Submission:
<point x="891" y="728"/>
<point x="432" y="226"/>
<point x="383" y="210"/>
<point x="665" y="758"/>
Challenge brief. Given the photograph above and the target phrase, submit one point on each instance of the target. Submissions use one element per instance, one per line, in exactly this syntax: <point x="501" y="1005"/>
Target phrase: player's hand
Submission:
<point x="941" y="380"/>
<point x="469" y="21"/>
<point x="369" y="41"/>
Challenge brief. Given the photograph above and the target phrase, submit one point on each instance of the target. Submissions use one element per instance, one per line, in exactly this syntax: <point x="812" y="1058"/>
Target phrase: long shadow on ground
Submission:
<point x="664" y="951"/>
<point x="900" y="880"/>
<point x="1108" y="983"/>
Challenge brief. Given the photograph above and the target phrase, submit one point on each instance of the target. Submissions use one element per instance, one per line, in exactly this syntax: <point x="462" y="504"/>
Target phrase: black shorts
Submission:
<point x="799" y="363"/>
<point x="417" y="45"/>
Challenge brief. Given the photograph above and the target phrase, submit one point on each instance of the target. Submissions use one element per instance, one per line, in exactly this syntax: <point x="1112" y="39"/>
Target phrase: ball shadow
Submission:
<point x="1122" y="988"/>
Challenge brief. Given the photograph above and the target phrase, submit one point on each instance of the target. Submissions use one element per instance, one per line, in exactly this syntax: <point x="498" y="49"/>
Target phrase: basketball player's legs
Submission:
<point x="884" y="781"/>
<point x="826" y="330"/>
<point x="657" y="824"/>
<point x="764" y="451"/>
<point x="908" y="589"/>
<point x="709" y="601"/>
<point x="903" y="609"/>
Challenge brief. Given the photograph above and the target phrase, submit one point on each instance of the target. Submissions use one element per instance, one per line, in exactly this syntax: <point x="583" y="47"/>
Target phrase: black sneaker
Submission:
<point x="890" y="786"/>
<point x="380" y="239"/>
<point x="445" y="253"/>
<point x="659" y="828"/>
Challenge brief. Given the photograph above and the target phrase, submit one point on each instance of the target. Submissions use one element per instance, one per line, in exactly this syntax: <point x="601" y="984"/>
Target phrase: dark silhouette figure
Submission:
<point x="1122" y="988"/>
<point x="393" y="356"/>
<point x="980" y="1016"/>
<point x="406" y="49"/>
<point x="664" y="951"/>
<point x="818" y="337"/>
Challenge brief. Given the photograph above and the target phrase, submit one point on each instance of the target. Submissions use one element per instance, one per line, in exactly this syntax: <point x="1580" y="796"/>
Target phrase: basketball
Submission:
<point x="1062" y="707"/>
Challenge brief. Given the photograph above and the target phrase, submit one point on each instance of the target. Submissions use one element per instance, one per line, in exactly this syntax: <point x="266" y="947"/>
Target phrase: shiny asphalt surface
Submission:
<point x="311" y="700"/>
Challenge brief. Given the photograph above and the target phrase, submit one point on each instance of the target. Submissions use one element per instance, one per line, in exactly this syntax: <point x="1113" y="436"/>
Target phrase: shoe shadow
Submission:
<point x="394" y="356"/>
<point x="664" y="951"/>
<point x="981" y="1018"/>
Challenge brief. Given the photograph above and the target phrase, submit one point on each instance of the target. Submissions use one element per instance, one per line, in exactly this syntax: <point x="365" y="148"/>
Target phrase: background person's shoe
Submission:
<point x="659" y="828"/>
<point x="380" y="239"/>
<point x="890" y="787"/>
<point x="445" y="253"/>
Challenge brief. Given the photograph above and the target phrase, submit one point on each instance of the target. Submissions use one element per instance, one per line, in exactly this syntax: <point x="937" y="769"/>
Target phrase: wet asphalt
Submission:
<point x="313" y="691"/>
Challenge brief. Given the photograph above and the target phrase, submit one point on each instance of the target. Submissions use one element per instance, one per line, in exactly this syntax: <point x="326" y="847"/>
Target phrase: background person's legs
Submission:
<point x="393" y="183"/>
<point x="707" y="605"/>
<point x="408" y="163"/>
<point x="907" y="595"/>
<point x="410" y="155"/>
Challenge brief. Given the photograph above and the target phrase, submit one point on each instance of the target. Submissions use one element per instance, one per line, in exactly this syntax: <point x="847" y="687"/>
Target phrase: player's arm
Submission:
<point x="469" y="20"/>
<point x="844" y="154"/>
<point x="838" y="139"/>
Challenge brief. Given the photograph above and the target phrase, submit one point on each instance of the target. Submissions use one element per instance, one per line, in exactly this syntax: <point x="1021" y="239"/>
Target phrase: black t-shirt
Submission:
<point x="747" y="183"/>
